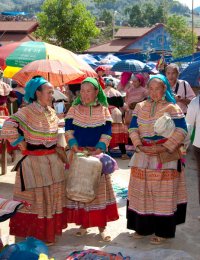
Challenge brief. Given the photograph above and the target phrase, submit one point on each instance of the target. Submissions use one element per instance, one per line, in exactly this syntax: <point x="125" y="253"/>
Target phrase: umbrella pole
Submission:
<point x="62" y="78"/>
<point x="11" y="108"/>
<point x="60" y="72"/>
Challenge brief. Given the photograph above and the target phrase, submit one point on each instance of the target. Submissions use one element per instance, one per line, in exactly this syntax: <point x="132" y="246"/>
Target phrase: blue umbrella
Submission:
<point x="192" y="74"/>
<point x="110" y="59"/>
<point x="89" y="59"/>
<point x="131" y="66"/>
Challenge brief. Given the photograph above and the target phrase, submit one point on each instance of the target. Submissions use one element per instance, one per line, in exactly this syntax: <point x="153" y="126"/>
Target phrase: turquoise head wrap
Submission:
<point x="169" y="96"/>
<point x="31" y="87"/>
<point x="101" y="97"/>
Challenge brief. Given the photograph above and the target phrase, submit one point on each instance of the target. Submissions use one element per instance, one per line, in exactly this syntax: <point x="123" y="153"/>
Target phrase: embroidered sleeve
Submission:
<point x="107" y="114"/>
<point x="10" y="131"/>
<point x="133" y="129"/>
<point x="105" y="137"/>
<point x="69" y="128"/>
<point x="69" y="133"/>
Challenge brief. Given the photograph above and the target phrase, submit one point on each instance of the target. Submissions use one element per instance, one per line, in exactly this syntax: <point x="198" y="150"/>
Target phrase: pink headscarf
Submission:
<point x="141" y="79"/>
<point x="125" y="77"/>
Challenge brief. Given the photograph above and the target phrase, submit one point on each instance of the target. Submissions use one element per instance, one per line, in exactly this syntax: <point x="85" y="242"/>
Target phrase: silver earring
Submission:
<point x="163" y="97"/>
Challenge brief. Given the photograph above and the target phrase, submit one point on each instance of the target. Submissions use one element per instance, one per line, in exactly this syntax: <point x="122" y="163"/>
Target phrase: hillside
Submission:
<point x="31" y="6"/>
<point x="197" y="9"/>
<point x="119" y="5"/>
<point x="34" y="6"/>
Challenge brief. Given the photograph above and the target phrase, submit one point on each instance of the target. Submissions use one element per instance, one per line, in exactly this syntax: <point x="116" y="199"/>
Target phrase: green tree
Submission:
<point x="106" y="16"/>
<point x="135" y="16"/>
<point x="147" y="15"/>
<point x="67" y="23"/>
<point x="183" y="41"/>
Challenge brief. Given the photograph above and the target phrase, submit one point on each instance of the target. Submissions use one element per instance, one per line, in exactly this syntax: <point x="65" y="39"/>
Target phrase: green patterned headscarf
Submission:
<point x="169" y="96"/>
<point x="101" y="97"/>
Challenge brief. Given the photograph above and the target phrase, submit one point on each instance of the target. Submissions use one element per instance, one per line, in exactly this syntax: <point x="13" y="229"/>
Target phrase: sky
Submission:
<point x="189" y="3"/>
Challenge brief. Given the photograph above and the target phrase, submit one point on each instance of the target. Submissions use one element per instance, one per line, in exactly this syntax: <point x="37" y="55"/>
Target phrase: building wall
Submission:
<point x="153" y="40"/>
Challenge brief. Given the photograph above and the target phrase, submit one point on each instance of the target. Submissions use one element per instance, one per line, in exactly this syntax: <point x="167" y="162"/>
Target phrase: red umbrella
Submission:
<point x="56" y="72"/>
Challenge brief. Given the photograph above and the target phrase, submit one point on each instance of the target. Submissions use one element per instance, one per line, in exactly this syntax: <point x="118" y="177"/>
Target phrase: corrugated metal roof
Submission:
<point x="112" y="46"/>
<point x="13" y="37"/>
<point x="130" y="32"/>
<point x="18" y="26"/>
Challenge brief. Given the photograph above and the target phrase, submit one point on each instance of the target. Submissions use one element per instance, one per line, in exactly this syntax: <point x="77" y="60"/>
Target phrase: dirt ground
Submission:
<point x="187" y="239"/>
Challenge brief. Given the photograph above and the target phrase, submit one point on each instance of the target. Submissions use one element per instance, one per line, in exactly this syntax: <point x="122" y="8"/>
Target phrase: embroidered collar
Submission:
<point x="40" y="108"/>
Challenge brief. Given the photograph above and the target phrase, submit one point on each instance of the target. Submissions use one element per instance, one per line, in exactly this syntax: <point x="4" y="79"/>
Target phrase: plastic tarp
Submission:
<point x="189" y="58"/>
<point x="13" y="13"/>
<point x="192" y="74"/>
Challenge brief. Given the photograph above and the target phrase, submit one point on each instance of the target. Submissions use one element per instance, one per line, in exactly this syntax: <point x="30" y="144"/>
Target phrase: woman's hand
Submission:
<point x="95" y="152"/>
<point x="152" y="150"/>
<point x="22" y="146"/>
<point x="61" y="115"/>
<point x="75" y="149"/>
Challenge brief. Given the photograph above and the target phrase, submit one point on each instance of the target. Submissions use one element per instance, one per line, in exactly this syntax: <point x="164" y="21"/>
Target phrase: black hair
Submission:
<point x="35" y="96"/>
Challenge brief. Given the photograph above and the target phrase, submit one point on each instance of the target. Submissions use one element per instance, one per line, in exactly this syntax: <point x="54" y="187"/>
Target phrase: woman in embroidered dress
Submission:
<point x="40" y="179"/>
<point x="157" y="194"/>
<point x="88" y="124"/>
<point x="119" y="130"/>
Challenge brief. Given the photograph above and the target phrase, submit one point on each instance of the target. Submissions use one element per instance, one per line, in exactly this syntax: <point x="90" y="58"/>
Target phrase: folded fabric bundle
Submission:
<point x="92" y="254"/>
<point x="8" y="208"/>
<point x="109" y="165"/>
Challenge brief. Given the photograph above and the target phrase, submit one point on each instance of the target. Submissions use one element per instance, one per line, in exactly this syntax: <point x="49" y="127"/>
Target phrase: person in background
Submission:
<point x="124" y="81"/>
<point x="7" y="97"/>
<point x="88" y="126"/>
<point x="181" y="88"/>
<point x="193" y="119"/>
<point x="119" y="130"/>
<point x="12" y="102"/>
<point x="19" y="91"/>
<point x="40" y="178"/>
<point x="5" y="90"/>
<point x="100" y="72"/>
<point x="134" y="94"/>
<point x="157" y="197"/>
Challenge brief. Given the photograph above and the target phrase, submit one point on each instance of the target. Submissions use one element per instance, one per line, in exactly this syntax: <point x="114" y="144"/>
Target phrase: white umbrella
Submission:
<point x="58" y="95"/>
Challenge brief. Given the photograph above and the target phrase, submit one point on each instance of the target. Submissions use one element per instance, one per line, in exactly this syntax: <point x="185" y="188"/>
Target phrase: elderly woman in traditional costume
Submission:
<point x="88" y="125"/>
<point x="157" y="194"/>
<point x="40" y="178"/>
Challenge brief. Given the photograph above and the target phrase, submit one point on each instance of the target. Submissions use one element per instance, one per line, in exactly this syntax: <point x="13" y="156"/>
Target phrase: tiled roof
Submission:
<point x="13" y="37"/>
<point x="133" y="32"/>
<point x="18" y="26"/>
<point x="130" y="32"/>
<point x="112" y="46"/>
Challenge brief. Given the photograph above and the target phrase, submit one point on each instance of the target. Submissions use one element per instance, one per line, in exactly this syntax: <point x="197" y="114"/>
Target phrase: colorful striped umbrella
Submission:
<point x="56" y="72"/>
<point x="131" y="66"/>
<point x="16" y="55"/>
